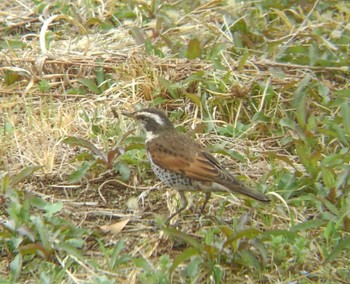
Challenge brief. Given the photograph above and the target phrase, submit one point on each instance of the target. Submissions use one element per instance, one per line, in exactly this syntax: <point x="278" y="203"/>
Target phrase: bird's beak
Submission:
<point x="128" y="114"/>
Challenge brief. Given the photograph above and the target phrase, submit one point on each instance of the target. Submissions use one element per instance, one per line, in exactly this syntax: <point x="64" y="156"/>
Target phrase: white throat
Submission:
<point x="150" y="136"/>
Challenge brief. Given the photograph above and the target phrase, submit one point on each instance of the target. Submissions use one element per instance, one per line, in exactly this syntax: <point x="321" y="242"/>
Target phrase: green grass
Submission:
<point x="263" y="84"/>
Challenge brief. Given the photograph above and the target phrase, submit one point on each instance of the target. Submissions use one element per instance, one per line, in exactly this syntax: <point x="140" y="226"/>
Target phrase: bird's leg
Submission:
<point x="207" y="197"/>
<point x="184" y="203"/>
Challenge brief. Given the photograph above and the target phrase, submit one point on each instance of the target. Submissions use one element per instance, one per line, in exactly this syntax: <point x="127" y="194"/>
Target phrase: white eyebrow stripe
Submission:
<point x="152" y="116"/>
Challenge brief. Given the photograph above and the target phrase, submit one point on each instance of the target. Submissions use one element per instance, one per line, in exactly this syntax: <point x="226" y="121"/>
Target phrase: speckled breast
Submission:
<point x="175" y="180"/>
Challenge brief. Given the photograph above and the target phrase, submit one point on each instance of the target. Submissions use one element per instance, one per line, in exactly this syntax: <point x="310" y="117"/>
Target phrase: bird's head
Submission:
<point x="153" y="120"/>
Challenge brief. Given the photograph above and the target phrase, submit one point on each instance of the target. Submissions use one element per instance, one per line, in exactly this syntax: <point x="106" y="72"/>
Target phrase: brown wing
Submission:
<point x="182" y="155"/>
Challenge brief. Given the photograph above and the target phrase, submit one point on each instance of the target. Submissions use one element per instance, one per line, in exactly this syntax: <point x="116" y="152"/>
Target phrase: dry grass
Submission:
<point x="36" y="118"/>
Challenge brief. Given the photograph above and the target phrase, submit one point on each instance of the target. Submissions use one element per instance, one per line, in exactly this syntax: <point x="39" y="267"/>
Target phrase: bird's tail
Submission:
<point x="237" y="187"/>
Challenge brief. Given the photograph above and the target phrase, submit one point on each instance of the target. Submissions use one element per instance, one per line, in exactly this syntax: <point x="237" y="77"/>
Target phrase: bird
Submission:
<point x="183" y="164"/>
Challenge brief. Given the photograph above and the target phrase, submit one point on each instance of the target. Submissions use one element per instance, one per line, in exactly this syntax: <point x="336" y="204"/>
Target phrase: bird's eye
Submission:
<point x="142" y="118"/>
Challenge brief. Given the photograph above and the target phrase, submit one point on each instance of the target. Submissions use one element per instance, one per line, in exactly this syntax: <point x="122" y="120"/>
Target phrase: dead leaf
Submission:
<point x="115" y="228"/>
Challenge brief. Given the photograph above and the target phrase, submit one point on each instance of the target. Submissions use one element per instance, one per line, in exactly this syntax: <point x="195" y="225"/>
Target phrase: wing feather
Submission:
<point x="186" y="158"/>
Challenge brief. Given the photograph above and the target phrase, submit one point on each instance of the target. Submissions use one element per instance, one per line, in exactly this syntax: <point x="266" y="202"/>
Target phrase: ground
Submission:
<point x="264" y="86"/>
